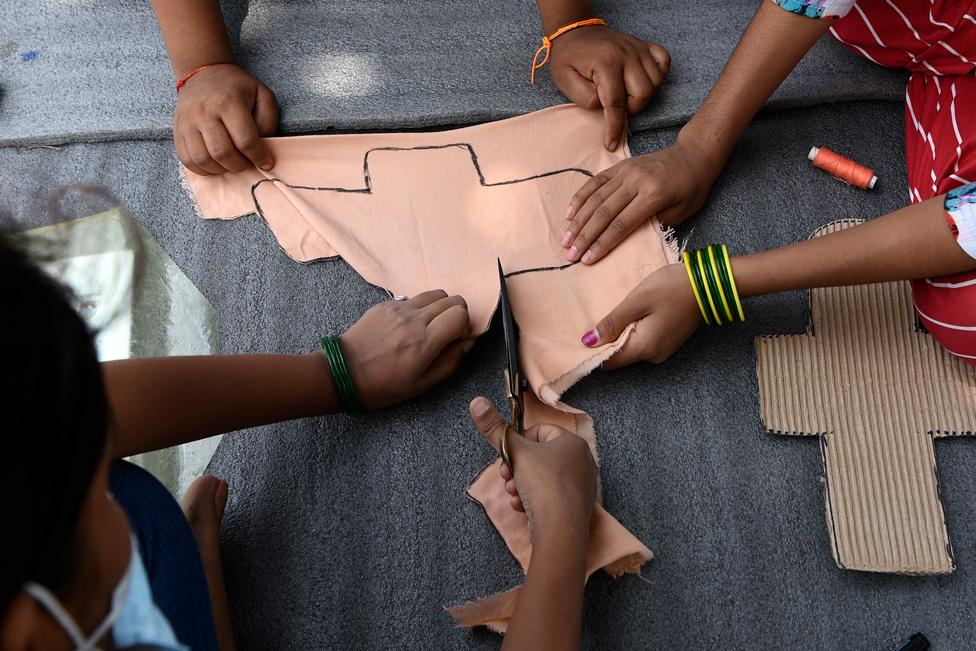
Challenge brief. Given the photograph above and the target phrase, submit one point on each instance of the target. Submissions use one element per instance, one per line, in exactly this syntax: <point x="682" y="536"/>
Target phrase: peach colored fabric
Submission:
<point x="415" y="211"/>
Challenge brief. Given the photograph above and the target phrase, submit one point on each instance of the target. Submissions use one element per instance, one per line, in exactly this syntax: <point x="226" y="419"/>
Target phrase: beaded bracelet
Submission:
<point x="340" y="373"/>
<point x="710" y="274"/>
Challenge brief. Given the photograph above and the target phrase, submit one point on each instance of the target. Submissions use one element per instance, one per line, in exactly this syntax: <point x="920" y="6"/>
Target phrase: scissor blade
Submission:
<point x="511" y="334"/>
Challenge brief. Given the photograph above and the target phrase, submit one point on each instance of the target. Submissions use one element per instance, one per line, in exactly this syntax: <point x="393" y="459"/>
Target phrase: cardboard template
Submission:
<point x="877" y="391"/>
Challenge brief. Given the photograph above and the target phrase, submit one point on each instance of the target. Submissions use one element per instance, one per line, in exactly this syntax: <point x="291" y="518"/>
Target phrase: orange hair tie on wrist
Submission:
<point x="185" y="78"/>
<point x="547" y="41"/>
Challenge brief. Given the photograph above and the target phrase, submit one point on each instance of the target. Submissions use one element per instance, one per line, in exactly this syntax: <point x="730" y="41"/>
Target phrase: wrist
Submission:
<point x="313" y="381"/>
<point x="709" y="145"/>
<point x="185" y="67"/>
<point x="754" y="276"/>
<point x="201" y="70"/>
<point x="561" y="523"/>
<point x="561" y="535"/>
<point x="553" y="20"/>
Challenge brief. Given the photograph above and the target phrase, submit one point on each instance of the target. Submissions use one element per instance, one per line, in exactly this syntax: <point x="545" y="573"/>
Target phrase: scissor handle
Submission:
<point x="503" y="450"/>
<point x="515" y="406"/>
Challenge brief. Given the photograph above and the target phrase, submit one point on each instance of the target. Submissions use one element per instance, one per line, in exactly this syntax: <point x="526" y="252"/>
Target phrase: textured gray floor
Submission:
<point x="350" y="532"/>
<point x="89" y="72"/>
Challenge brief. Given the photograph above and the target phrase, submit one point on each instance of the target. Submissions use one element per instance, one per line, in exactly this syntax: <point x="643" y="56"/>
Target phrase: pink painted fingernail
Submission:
<point x="569" y="213"/>
<point x="567" y="238"/>
<point x="587" y="257"/>
<point x="590" y="338"/>
<point x="267" y="166"/>
<point x="571" y="254"/>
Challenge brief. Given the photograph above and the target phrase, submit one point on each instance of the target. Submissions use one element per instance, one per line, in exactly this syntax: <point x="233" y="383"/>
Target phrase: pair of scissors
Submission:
<point x="514" y="382"/>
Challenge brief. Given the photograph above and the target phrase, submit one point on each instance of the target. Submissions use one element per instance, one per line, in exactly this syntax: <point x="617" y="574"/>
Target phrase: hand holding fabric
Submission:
<point x="555" y="484"/>
<point x="221" y="115"/>
<point x="399" y="349"/>
<point x="671" y="184"/>
<point x="666" y="312"/>
<point x="597" y="66"/>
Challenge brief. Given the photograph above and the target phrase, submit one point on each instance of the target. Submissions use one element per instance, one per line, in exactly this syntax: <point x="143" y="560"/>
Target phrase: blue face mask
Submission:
<point x="133" y="617"/>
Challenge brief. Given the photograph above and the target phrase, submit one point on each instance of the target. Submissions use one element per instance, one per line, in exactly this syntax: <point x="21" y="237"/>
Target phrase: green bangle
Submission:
<point x="730" y="279"/>
<point x="723" y="277"/>
<point x="712" y="285"/>
<point x="699" y="267"/>
<point x="713" y="269"/>
<point x="340" y="373"/>
<point x="700" y="286"/>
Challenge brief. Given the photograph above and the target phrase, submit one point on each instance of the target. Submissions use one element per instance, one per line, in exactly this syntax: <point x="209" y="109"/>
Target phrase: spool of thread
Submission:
<point x="843" y="169"/>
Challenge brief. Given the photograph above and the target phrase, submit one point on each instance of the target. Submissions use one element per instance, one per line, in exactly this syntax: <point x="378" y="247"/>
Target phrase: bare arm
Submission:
<point x="556" y="13"/>
<point x="773" y="44"/>
<point x="194" y="33"/>
<point x="914" y="242"/>
<point x="167" y="401"/>
<point x="397" y="350"/>
<point x="550" y="607"/>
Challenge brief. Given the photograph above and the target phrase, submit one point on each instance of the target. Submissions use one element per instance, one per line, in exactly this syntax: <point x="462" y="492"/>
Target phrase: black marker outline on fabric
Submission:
<point x="368" y="189"/>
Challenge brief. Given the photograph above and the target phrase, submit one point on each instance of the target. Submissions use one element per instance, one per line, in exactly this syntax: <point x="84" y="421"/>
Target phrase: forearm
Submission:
<point x="773" y="44"/>
<point x="914" y="242"/>
<point x="556" y="13"/>
<point x="159" y="402"/>
<point x="550" y="606"/>
<point x="194" y="33"/>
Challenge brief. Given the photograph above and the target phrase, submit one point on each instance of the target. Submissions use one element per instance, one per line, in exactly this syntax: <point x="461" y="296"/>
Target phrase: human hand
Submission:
<point x="221" y="115"/>
<point x="597" y="66"/>
<point x="666" y="312"/>
<point x="399" y="349"/>
<point x="555" y="480"/>
<point x="671" y="184"/>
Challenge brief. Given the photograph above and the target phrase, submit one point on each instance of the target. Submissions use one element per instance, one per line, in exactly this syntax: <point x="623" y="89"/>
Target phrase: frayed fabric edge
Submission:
<point x="550" y="392"/>
<point x="492" y="612"/>
<point x="631" y="564"/>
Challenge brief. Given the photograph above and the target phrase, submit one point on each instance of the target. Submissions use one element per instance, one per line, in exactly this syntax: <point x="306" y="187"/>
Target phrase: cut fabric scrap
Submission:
<point x="610" y="547"/>
<point x="416" y="211"/>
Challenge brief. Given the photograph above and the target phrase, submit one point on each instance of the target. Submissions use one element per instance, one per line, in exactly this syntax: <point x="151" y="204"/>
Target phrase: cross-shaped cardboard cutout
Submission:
<point x="877" y="391"/>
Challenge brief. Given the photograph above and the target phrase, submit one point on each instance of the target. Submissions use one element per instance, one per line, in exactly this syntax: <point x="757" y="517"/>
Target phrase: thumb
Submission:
<point x="489" y="422"/>
<point x="632" y="308"/>
<point x="266" y="111"/>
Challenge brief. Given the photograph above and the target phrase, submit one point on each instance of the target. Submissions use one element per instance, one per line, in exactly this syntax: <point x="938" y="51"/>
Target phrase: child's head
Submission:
<point x="61" y="529"/>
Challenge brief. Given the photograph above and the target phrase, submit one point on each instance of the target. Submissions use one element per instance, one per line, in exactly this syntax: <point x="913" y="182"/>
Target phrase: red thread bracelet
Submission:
<point x="186" y="77"/>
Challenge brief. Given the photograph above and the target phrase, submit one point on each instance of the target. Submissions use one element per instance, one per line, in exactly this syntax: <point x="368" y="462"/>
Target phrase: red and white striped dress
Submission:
<point x="936" y="42"/>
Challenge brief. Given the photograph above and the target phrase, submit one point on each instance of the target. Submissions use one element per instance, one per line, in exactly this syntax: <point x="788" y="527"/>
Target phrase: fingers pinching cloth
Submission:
<point x="415" y="211"/>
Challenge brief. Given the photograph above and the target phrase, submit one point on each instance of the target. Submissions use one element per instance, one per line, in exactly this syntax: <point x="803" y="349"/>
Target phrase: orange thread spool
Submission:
<point x="843" y="169"/>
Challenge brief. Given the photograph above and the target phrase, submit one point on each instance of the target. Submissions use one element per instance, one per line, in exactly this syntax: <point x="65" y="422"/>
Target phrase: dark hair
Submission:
<point x="53" y="425"/>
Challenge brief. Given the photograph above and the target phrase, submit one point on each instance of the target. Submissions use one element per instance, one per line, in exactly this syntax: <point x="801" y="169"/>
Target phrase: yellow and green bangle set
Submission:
<point x="710" y="274"/>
